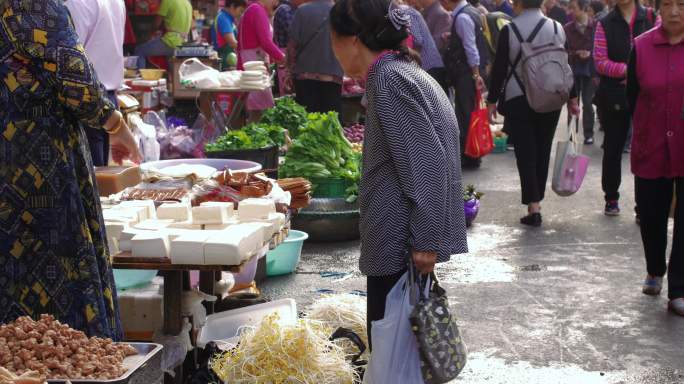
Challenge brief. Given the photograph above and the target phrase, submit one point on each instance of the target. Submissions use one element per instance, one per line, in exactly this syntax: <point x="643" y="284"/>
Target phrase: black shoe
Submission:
<point x="470" y="163"/>
<point x="589" y="141"/>
<point x="533" y="220"/>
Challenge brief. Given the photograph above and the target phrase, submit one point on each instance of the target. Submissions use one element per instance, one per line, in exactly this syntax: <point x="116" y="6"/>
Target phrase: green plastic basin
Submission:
<point x="284" y="259"/>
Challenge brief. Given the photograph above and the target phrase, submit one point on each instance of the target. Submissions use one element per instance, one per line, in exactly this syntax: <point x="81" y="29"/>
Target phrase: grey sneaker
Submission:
<point x="677" y="306"/>
<point x="652" y="285"/>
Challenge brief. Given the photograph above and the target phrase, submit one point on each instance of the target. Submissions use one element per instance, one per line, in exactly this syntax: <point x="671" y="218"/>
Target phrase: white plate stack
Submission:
<point x="255" y="76"/>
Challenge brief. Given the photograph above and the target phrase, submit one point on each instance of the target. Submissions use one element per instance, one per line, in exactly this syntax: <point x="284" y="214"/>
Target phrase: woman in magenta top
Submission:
<point x="255" y="43"/>
<point x="655" y="93"/>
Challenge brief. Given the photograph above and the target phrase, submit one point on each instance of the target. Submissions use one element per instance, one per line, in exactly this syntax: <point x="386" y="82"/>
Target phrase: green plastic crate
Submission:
<point x="500" y="144"/>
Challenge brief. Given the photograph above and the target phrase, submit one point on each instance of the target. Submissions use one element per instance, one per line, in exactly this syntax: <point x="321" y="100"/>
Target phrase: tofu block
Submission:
<point x="255" y="209"/>
<point x="114" y="229"/>
<point x="125" y="244"/>
<point x="175" y="212"/>
<point x="117" y="215"/>
<point x="175" y="233"/>
<point x="153" y="224"/>
<point x="189" y="248"/>
<point x="210" y="215"/>
<point x="147" y="204"/>
<point x="267" y="229"/>
<point x="151" y="244"/>
<point x="233" y="245"/>
<point x="217" y="227"/>
<point x="185" y="225"/>
<point x="228" y="205"/>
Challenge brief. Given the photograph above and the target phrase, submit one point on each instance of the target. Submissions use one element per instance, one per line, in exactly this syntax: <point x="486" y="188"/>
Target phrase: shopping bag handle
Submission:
<point x="345" y="333"/>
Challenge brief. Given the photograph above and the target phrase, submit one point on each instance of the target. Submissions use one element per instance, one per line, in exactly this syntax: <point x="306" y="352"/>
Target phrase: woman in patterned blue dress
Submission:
<point x="53" y="253"/>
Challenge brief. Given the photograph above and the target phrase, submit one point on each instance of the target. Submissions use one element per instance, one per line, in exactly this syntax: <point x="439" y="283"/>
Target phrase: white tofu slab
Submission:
<point x="147" y="204"/>
<point x="255" y="209"/>
<point x="210" y="214"/>
<point x="153" y="224"/>
<point x="185" y="225"/>
<point x="233" y="245"/>
<point x="267" y="229"/>
<point x="189" y="248"/>
<point x="151" y="244"/>
<point x="175" y="211"/>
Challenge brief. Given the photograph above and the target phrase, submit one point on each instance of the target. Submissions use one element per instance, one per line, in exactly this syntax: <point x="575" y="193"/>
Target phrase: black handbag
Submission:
<point x="442" y="350"/>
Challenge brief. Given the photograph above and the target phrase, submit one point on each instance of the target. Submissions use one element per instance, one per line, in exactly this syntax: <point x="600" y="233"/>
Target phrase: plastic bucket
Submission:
<point x="500" y="144"/>
<point x="284" y="259"/>
<point x="267" y="157"/>
<point x="246" y="276"/>
<point x="129" y="278"/>
<point x="329" y="188"/>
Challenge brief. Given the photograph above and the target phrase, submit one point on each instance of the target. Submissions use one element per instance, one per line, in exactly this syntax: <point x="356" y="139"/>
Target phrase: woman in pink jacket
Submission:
<point x="655" y="91"/>
<point x="255" y="43"/>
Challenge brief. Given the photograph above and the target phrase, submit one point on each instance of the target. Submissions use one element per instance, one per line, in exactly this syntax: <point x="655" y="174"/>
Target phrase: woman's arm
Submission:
<point x="262" y="28"/>
<point x="414" y="148"/>
<point x="500" y="67"/>
<point x="632" y="83"/>
<point x="59" y="54"/>
<point x="605" y="66"/>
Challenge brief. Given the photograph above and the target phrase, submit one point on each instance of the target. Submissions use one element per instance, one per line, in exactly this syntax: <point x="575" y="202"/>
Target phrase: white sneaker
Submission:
<point x="677" y="306"/>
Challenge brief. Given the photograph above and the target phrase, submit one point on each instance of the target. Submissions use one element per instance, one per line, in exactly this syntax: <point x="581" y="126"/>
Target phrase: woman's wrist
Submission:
<point x="114" y="123"/>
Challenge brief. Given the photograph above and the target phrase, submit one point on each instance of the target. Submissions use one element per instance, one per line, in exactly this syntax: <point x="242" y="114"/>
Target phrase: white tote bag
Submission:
<point x="570" y="165"/>
<point x="395" y="357"/>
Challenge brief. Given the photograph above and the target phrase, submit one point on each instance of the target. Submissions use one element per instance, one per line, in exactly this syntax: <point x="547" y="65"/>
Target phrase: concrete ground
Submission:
<point x="558" y="304"/>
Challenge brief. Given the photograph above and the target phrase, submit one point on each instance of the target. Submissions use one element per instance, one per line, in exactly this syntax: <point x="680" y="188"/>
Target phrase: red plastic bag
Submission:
<point x="479" y="142"/>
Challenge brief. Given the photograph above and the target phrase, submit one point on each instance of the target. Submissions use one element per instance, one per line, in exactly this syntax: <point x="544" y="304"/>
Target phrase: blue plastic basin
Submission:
<point x="129" y="278"/>
<point x="284" y="258"/>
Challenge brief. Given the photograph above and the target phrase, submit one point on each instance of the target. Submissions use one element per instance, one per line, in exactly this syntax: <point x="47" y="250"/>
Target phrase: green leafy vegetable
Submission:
<point x="321" y="151"/>
<point x="470" y="193"/>
<point x="287" y="114"/>
<point x="252" y="136"/>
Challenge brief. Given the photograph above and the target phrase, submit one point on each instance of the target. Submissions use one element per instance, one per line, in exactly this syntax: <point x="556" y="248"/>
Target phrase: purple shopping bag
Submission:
<point x="570" y="165"/>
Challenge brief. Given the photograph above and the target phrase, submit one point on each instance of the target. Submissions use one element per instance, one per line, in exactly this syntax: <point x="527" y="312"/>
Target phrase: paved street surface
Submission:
<point x="559" y="304"/>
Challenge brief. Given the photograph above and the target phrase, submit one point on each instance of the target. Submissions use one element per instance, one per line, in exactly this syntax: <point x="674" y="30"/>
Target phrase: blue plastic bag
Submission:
<point x="395" y="357"/>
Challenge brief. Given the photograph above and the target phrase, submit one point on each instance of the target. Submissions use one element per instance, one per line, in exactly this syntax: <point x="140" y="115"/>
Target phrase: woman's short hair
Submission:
<point x="529" y="4"/>
<point x="236" y="3"/>
<point x="598" y="6"/>
<point x="369" y="20"/>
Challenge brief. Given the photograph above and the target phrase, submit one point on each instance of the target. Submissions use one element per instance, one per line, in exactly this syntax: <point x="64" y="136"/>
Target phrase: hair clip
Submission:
<point x="398" y="16"/>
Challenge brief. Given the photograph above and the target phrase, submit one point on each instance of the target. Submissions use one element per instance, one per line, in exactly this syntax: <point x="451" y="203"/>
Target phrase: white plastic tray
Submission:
<point x="226" y="325"/>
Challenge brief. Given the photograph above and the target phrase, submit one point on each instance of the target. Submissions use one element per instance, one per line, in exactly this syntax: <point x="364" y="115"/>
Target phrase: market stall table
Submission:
<point x="206" y="97"/>
<point x="173" y="279"/>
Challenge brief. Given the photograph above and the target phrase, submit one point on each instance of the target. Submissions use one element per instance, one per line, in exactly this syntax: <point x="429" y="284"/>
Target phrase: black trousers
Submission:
<point x="616" y="126"/>
<point x="464" y="95"/>
<point x="440" y="75"/>
<point x="318" y="96"/>
<point x="654" y="199"/>
<point x="586" y="88"/>
<point x="378" y="287"/>
<point x="533" y="133"/>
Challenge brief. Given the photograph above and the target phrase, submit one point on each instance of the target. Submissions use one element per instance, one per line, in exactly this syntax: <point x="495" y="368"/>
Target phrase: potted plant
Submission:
<point x="471" y="203"/>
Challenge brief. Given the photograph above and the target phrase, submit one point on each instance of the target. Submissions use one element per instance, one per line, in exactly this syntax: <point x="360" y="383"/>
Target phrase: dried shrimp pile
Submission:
<point x="56" y="351"/>
<point x="274" y="354"/>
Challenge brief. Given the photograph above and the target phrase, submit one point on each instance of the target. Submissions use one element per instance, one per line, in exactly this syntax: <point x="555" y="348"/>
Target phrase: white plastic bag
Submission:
<point x="194" y="74"/>
<point x="395" y="357"/>
<point x="147" y="137"/>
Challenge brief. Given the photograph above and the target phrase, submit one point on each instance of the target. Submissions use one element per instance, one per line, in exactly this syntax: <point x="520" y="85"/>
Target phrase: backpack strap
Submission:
<point x="518" y="35"/>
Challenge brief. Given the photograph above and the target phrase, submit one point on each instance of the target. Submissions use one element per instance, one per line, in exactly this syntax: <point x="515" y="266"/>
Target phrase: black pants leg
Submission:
<point x="533" y="141"/>
<point x="378" y="287"/>
<point x="318" y="96"/>
<point x="587" y="90"/>
<point x="464" y="92"/>
<point x="615" y="125"/>
<point x="440" y="75"/>
<point x="654" y="198"/>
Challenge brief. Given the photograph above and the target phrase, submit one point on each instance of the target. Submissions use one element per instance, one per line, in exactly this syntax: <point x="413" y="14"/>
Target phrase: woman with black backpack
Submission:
<point x="613" y="41"/>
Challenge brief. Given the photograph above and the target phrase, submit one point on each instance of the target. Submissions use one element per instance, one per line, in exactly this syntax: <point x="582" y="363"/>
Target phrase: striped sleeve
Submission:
<point x="604" y="66"/>
<point x="419" y="158"/>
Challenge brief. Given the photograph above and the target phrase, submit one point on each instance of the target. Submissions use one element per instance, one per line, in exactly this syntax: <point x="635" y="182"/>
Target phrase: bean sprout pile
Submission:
<point x="273" y="353"/>
<point x="342" y="310"/>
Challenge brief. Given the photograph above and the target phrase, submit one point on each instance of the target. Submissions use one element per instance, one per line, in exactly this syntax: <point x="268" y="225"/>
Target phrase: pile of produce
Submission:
<point x="471" y="204"/>
<point x="342" y="311"/>
<point x="55" y="351"/>
<point x="351" y="87"/>
<point x="355" y="133"/>
<point x="252" y="136"/>
<point x="273" y="353"/>
<point x="300" y="190"/>
<point x="29" y="377"/>
<point x="287" y="114"/>
<point x="322" y="152"/>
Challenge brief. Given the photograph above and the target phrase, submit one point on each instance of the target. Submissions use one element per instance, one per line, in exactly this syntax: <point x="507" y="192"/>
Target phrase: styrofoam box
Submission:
<point x="226" y="325"/>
